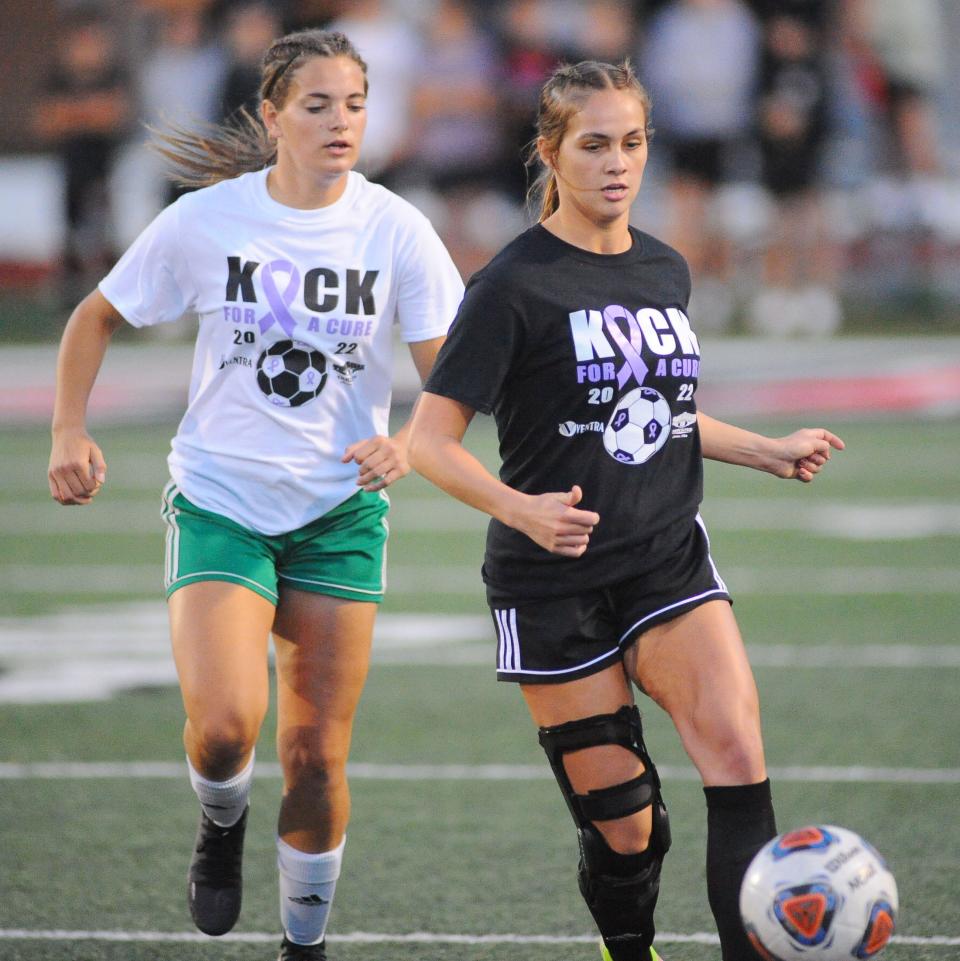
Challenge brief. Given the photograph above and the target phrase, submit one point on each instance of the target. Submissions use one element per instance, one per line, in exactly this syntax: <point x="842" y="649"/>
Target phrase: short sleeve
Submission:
<point x="429" y="287"/>
<point x="150" y="284"/>
<point x="477" y="356"/>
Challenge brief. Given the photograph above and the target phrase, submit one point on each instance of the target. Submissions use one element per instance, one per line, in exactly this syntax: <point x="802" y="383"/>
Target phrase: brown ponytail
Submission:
<point x="561" y="97"/>
<point x="220" y="151"/>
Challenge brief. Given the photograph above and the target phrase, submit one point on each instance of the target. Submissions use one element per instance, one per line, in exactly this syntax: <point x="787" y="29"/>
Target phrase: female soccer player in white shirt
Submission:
<point x="296" y="267"/>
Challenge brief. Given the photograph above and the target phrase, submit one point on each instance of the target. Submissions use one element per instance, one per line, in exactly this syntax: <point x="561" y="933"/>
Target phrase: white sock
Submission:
<point x="307" y="883"/>
<point x="223" y="801"/>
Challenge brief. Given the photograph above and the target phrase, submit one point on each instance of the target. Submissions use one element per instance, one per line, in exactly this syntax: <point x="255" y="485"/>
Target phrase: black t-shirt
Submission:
<point x="88" y="153"/>
<point x="589" y="366"/>
<point x="796" y="77"/>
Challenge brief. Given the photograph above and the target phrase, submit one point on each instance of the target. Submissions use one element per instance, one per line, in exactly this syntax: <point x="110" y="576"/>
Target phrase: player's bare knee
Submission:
<point x="629" y="835"/>
<point x="224" y="749"/>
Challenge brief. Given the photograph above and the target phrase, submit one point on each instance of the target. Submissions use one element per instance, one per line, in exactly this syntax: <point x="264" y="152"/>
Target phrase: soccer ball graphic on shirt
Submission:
<point x="820" y="893"/>
<point x="291" y="373"/>
<point x="638" y="427"/>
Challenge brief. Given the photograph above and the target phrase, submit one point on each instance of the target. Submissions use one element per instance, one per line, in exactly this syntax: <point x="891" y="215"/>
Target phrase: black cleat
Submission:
<point x="215" y="880"/>
<point x="289" y="951"/>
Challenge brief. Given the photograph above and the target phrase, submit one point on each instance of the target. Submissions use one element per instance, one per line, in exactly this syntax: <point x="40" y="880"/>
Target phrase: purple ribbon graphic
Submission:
<point x="279" y="302"/>
<point x="629" y="348"/>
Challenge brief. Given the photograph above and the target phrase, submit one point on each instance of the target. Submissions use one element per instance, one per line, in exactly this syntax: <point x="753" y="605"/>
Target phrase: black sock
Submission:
<point x="740" y="821"/>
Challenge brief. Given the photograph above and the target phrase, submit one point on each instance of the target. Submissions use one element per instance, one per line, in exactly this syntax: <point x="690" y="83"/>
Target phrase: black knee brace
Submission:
<point x="619" y="889"/>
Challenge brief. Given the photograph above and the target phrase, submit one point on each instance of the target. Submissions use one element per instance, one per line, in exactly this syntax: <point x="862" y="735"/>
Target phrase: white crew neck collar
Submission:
<point x="312" y="214"/>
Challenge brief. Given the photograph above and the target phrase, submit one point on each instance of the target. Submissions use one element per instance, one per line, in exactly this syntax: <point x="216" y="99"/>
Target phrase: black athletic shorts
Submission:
<point x="556" y="639"/>
<point x="700" y="159"/>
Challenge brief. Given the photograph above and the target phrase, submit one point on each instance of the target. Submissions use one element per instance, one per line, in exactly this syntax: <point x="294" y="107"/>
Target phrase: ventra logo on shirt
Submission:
<point x="609" y="344"/>
<point x="570" y="428"/>
<point x="322" y="290"/>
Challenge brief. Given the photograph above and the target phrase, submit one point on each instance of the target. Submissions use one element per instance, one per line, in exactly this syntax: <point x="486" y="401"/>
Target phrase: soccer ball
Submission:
<point x="821" y="893"/>
<point x="290" y="373"/>
<point x="638" y="427"/>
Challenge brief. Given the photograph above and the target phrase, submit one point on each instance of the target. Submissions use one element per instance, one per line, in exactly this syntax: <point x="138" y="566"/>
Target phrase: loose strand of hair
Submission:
<point x="210" y="153"/>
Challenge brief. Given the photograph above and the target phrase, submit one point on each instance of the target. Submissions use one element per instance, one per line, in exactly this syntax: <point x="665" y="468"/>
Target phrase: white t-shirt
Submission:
<point x="293" y="359"/>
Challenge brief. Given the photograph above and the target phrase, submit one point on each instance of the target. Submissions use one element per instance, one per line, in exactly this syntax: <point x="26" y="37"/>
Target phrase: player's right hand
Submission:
<point x="555" y="523"/>
<point x="77" y="469"/>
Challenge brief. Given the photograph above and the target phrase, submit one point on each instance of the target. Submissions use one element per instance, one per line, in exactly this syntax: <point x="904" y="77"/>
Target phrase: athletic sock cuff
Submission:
<point x="740" y="796"/>
<point x="309" y="868"/>
<point x="236" y="784"/>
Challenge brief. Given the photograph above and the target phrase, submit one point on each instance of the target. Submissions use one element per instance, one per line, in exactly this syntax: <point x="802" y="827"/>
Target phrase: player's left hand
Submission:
<point x="803" y="454"/>
<point x="382" y="460"/>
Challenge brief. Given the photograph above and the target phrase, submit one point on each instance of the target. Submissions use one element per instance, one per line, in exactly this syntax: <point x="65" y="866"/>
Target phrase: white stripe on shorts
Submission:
<point x="386" y="526"/>
<point x="230" y="576"/>
<point x="721" y="588"/>
<point x="170" y="515"/>
<point x="563" y="670"/>
<point x="339" y="587"/>
<point x="670" y="607"/>
<point x="508" y="655"/>
<point x="713" y="567"/>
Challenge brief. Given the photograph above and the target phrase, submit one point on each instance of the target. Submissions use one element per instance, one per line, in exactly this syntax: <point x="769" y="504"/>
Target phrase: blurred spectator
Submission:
<point x="899" y="53"/>
<point x="524" y="35"/>
<point x="455" y="128"/>
<point x="182" y="75"/>
<point x="394" y="54"/>
<point x="844" y="110"/>
<point x="903" y="62"/>
<point x="699" y="61"/>
<point x="249" y="27"/>
<point x="591" y="29"/>
<point x="456" y="142"/>
<point x="83" y="114"/>
<point x="801" y="270"/>
<point x="534" y="35"/>
<point x="307" y="14"/>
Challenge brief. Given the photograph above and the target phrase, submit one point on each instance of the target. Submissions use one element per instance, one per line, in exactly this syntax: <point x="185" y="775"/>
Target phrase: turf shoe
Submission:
<point x="605" y="954"/>
<point x="215" y="881"/>
<point x="289" y="951"/>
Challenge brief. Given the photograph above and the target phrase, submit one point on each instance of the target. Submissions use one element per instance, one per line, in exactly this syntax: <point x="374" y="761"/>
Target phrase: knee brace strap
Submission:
<point x="602" y="804"/>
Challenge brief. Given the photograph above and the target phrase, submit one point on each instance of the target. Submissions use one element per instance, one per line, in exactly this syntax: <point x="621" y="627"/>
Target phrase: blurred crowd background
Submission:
<point x="806" y="158"/>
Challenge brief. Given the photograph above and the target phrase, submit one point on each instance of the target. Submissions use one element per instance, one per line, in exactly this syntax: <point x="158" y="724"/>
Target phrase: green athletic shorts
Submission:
<point x="343" y="553"/>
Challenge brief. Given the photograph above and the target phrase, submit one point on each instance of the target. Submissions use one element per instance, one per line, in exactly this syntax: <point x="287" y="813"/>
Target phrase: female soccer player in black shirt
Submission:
<point x="597" y="566"/>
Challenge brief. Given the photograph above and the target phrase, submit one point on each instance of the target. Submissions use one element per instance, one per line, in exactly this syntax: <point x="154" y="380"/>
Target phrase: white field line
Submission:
<point x="369" y="937"/>
<point x="845" y="520"/>
<point x="464" y="579"/>
<point x="362" y="771"/>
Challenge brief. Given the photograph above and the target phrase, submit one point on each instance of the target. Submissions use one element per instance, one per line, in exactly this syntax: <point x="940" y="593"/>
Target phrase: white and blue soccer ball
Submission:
<point x="638" y="427"/>
<point x="820" y="893"/>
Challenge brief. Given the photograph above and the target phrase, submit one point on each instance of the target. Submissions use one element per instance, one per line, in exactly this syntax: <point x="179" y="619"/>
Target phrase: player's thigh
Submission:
<point x="696" y="668"/>
<point x="322" y="648"/>
<point x="220" y="633"/>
